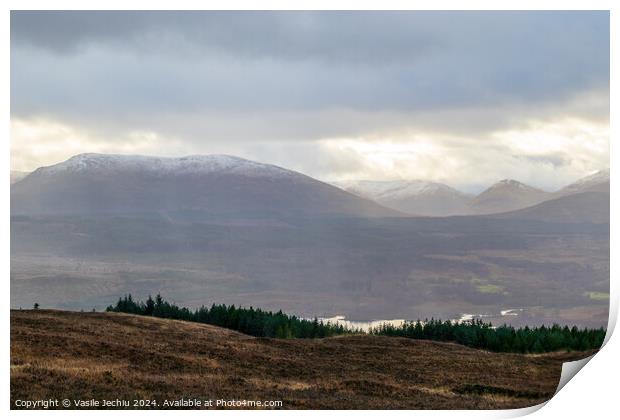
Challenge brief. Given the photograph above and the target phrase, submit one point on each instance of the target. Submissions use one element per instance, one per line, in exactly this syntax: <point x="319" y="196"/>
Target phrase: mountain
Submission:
<point x="586" y="200"/>
<point x="194" y="185"/>
<point x="422" y="198"/>
<point x="597" y="182"/>
<point x="584" y="207"/>
<point x="507" y="195"/>
<point x="17" y="176"/>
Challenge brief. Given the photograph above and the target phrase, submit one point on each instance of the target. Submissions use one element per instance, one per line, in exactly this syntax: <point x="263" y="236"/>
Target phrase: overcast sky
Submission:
<point x="465" y="98"/>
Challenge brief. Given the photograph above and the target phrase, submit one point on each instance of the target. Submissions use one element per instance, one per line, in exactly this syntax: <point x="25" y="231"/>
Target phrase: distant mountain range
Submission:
<point x="425" y="198"/>
<point x="197" y="186"/>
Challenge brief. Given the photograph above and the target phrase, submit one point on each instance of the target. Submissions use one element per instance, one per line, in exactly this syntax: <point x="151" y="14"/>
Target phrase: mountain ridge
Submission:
<point x="222" y="184"/>
<point x="191" y="164"/>
<point x="260" y="180"/>
<point x="415" y="197"/>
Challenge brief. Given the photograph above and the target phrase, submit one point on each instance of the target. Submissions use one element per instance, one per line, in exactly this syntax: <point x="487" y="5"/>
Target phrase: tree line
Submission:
<point x="476" y="333"/>
<point x="251" y="321"/>
<point x="504" y="338"/>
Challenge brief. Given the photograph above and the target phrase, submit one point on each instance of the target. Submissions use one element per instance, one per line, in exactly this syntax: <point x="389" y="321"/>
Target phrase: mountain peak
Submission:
<point x="187" y="165"/>
<point x="508" y="181"/>
<point x="506" y="195"/>
<point x="512" y="184"/>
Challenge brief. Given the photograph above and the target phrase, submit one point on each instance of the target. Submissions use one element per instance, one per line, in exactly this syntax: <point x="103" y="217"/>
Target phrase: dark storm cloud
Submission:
<point x="144" y="61"/>
<point x="289" y="35"/>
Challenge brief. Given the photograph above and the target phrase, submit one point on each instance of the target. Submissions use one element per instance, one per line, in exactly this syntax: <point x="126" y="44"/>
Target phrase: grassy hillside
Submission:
<point x="75" y="355"/>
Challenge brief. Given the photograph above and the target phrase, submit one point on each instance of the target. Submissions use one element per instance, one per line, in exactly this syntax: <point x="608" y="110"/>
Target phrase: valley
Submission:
<point x="221" y="229"/>
<point x="381" y="269"/>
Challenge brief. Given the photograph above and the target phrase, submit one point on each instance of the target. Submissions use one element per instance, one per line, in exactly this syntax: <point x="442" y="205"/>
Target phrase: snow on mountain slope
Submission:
<point x="214" y="184"/>
<point x="194" y="165"/>
<point x="223" y="184"/>
<point x="416" y="197"/>
<point x="597" y="182"/>
<point x="424" y="198"/>
<point x="370" y="189"/>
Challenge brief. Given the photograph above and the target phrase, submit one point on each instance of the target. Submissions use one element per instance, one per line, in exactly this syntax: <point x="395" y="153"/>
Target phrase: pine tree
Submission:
<point x="150" y="306"/>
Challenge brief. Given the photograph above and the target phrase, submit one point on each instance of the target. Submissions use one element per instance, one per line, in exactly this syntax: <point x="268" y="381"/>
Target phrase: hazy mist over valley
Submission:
<point x="225" y="229"/>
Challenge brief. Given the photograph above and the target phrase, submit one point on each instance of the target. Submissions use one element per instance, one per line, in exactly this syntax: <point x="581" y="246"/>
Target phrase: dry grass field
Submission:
<point x="82" y="355"/>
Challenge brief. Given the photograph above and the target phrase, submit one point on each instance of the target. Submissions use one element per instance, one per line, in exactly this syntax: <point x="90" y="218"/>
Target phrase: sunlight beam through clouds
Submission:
<point x="546" y="155"/>
<point x="448" y="97"/>
<point x="543" y="154"/>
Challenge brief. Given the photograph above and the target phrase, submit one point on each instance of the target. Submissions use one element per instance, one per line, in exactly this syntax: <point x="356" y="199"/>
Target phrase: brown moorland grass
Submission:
<point x="81" y="355"/>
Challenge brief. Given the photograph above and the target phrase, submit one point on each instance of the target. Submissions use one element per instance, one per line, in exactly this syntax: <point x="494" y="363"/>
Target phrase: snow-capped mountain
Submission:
<point x="416" y="197"/>
<point x="597" y="182"/>
<point x="425" y="198"/>
<point x="215" y="184"/>
<point x="104" y="164"/>
<point x="507" y="195"/>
